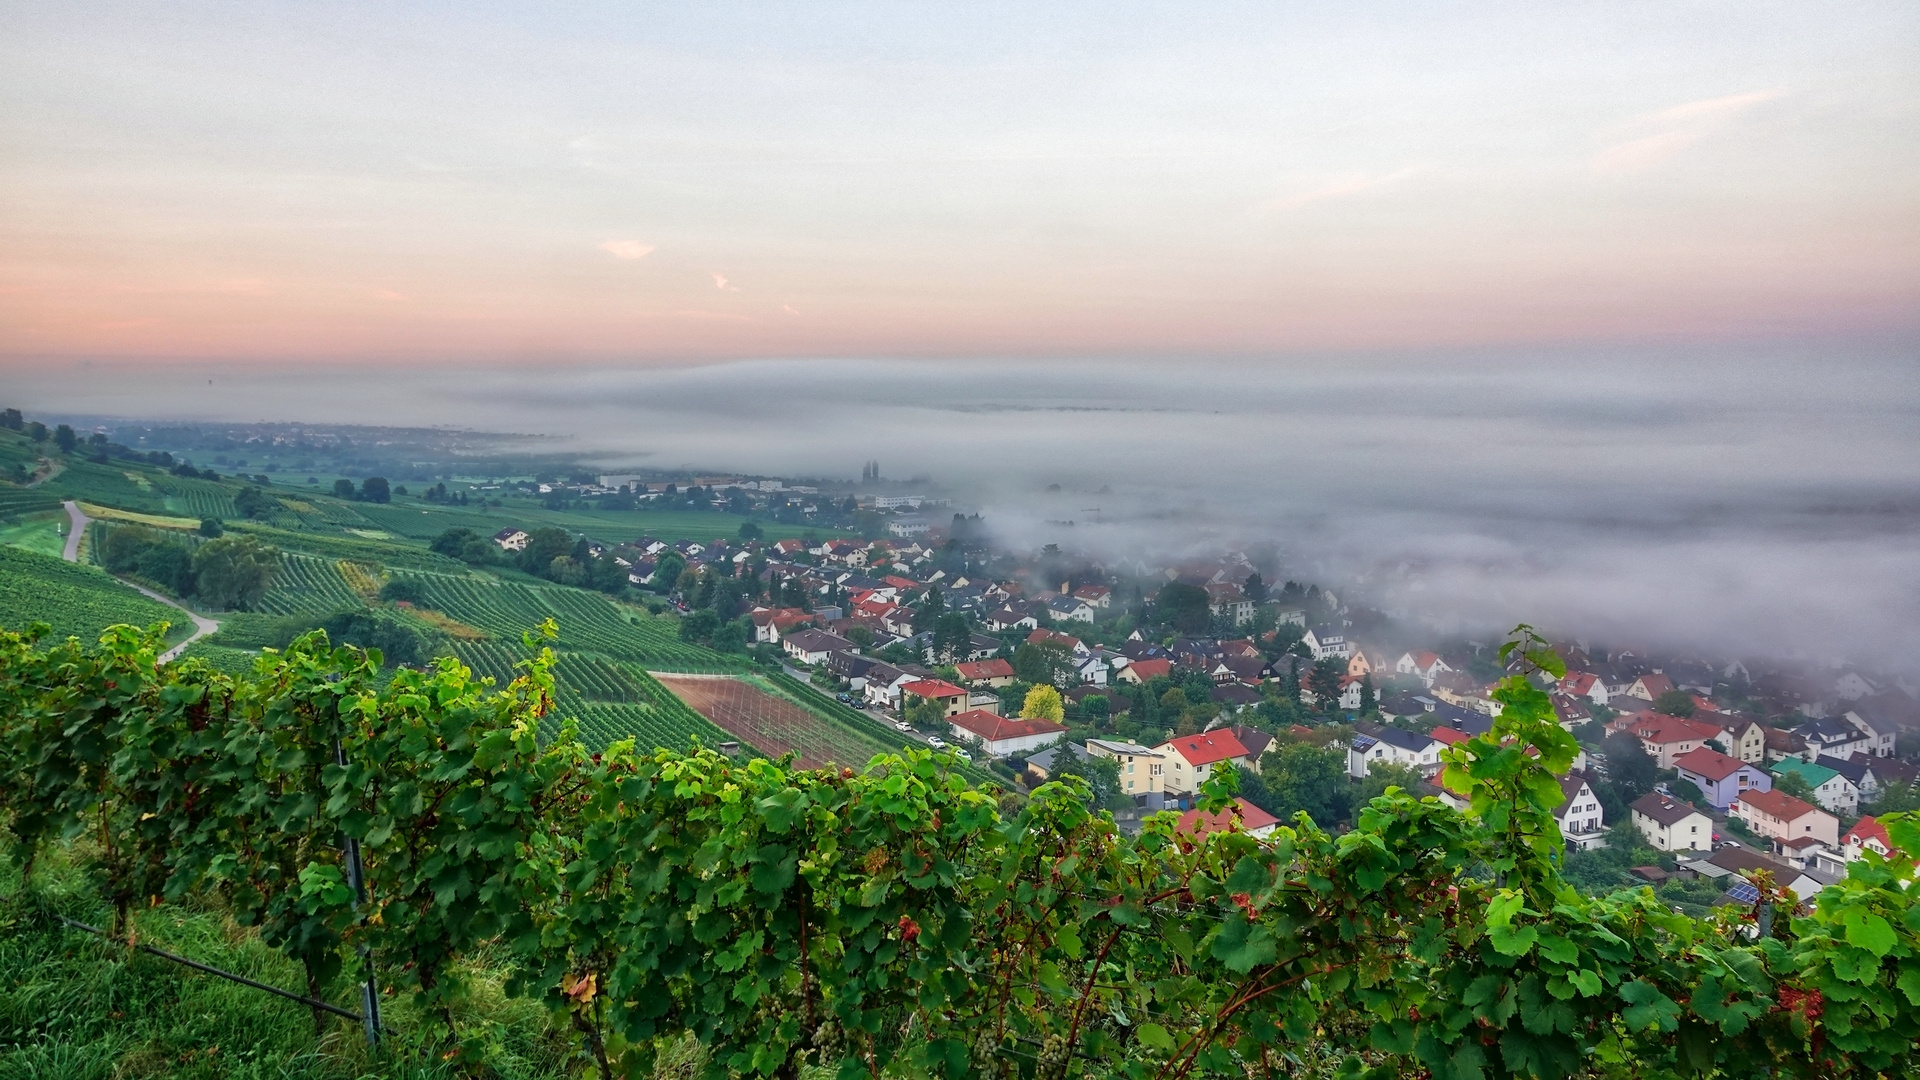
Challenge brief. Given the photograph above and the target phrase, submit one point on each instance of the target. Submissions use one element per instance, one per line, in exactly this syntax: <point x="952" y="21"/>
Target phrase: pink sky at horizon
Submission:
<point x="483" y="183"/>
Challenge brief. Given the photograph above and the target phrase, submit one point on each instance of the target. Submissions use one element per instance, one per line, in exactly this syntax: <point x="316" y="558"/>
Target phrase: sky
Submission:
<point x="605" y="183"/>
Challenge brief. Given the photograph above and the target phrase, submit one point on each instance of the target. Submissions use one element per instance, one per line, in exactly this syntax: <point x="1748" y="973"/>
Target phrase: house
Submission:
<point x="1831" y="789"/>
<point x="1666" y="737"/>
<point x="1010" y="617"/>
<point x="1782" y="817"/>
<point x="1282" y="616"/>
<point x="1041" y="764"/>
<point x="884" y="682"/>
<point x="1582" y="823"/>
<point x="1835" y="737"/>
<point x="1783" y="744"/>
<point x="1099" y="596"/>
<point x="813" y="646"/>
<point x="1739" y="737"/>
<point x="1866" y="835"/>
<point x="1092" y="670"/>
<point x="1002" y="736"/>
<point x="1873" y="722"/>
<point x="1584" y="684"/>
<point x="1327" y="641"/>
<point x="1671" y="825"/>
<point x="1650" y="687"/>
<point x="1374" y="743"/>
<point x="511" y="539"/>
<point x="1350" y="689"/>
<point x="953" y="699"/>
<point x="1069" y="609"/>
<point x="1142" y="770"/>
<point x="1870" y="774"/>
<point x="770" y="624"/>
<point x="995" y="672"/>
<point x="1225" y="600"/>
<point x="1255" y="740"/>
<point x="1141" y="671"/>
<point x="1192" y="757"/>
<point x="1242" y="815"/>
<point x="1073" y="645"/>
<point x="1739" y="863"/>
<point x="1571" y="711"/>
<point x="1719" y="777"/>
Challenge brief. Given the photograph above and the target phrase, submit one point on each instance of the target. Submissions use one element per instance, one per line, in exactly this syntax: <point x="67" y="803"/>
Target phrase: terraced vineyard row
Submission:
<point x="308" y="585"/>
<point x="588" y="622"/>
<point x="648" y="726"/>
<point x="26" y="501"/>
<point x="77" y="601"/>
<point x="196" y="498"/>
<point x="493" y="658"/>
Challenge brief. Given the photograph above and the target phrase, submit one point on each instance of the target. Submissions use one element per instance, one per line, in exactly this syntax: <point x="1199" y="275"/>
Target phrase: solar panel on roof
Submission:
<point x="1744" y="892"/>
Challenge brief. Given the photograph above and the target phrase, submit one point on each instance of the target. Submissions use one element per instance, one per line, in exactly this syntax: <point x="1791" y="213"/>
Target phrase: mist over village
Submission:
<point x="933" y="543"/>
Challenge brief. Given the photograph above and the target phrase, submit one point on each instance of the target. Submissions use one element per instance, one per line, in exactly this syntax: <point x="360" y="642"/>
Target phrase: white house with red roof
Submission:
<point x="1098" y="596"/>
<point x="1650" y="687"/>
<point x="1585" y="684"/>
<point x="1666" y="737"/>
<point x="993" y="672"/>
<point x="953" y="699"/>
<point x="1426" y="666"/>
<point x="1783" y="818"/>
<point x="1192" y="758"/>
<point x="1001" y="736"/>
<point x="1866" y="835"/>
<point x="1242" y="816"/>
<point x="771" y="624"/>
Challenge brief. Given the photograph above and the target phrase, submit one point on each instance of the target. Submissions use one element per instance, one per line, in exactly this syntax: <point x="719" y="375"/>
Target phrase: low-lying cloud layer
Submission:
<point x="1732" y="501"/>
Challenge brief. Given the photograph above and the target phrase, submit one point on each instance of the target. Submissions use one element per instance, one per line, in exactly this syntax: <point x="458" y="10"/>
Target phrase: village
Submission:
<point x="1713" y="774"/>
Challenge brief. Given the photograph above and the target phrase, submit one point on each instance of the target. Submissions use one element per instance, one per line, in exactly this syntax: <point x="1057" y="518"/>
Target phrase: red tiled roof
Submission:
<point x="1207" y="747"/>
<point x="1448" y="735"/>
<point x="1660" y="728"/>
<point x="1708" y="762"/>
<point x="1054" y="637"/>
<point x="1197" y="823"/>
<point x="1152" y="669"/>
<point x="932" y="688"/>
<point x="985" y="669"/>
<point x="995" y="728"/>
<point x="1867" y="828"/>
<point x="1777" y="804"/>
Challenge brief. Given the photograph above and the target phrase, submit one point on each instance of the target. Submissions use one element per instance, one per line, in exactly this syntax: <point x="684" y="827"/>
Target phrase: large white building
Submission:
<point x="1672" y="825"/>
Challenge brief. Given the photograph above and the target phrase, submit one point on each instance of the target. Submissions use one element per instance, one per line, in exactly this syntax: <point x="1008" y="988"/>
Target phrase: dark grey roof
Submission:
<point x="1392" y="736"/>
<point x="1854" y="768"/>
<point x="1664" y="809"/>
<point x="1829" y="729"/>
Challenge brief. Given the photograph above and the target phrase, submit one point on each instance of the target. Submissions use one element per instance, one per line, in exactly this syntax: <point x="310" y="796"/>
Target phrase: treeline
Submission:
<point x="894" y="917"/>
<point x="223" y="572"/>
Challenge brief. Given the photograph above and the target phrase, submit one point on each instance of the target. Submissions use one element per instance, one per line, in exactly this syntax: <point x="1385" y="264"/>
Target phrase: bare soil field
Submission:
<point x="770" y="724"/>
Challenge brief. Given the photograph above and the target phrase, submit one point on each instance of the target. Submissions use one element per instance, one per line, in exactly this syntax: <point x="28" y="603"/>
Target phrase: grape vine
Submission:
<point x="894" y="920"/>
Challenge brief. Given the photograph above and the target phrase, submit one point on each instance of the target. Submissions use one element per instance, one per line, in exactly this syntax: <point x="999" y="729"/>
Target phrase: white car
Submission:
<point x="903" y="725"/>
<point x="936" y="742"/>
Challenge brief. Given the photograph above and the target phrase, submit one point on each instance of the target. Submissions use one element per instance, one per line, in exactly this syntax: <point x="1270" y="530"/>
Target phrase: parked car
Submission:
<point x="903" y="725"/>
<point x="844" y="698"/>
<point x="936" y="742"/>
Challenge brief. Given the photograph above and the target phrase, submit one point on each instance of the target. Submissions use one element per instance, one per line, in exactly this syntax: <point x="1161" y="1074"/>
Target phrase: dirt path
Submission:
<point x="202" y="626"/>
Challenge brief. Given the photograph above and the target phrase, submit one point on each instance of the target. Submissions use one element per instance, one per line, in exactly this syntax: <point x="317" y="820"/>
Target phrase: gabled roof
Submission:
<point x="1830" y="729"/>
<point x="1655" y="684"/>
<point x="1206" y="747"/>
<point x="1708" y="762"/>
<point x="818" y="641"/>
<point x="997" y="728"/>
<point x="1867" y="828"/>
<point x="1778" y="804"/>
<point x="933" y="688"/>
<point x="1152" y="668"/>
<point x="1664" y="809"/>
<point x="985" y="669"/>
<point x="1660" y="728"/>
<point x="1250" y="817"/>
<point x="1449" y="735"/>
<point x="1570" y="787"/>
<point x="1412" y="742"/>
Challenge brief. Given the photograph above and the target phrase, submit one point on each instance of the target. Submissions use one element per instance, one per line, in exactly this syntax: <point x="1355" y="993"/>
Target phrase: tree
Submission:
<point x="343" y="489"/>
<point x="254" y="503"/>
<point x="1687" y="791"/>
<point x="65" y="439"/>
<point x="374" y="489"/>
<point x="1630" y="772"/>
<point x="1674" y="703"/>
<point x="699" y="626"/>
<point x="1789" y="782"/>
<point x="1300" y="777"/>
<point x="12" y="420"/>
<point x="452" y="542"/>
<point x="234" y="571"/>
<point x="750" y="531"/>
<point x="952" y="636"/>
<point x="210" y="527"/>
<point x="543" y="546"/>
<point x="1255" y="588"/>
<point x="667" y="571"/>
<point x="1368" y="702"/>
<point x="1043" y="703"/>
<point x="403" y="590"/>
<point x="1102" y="775"/>
<point x="37" y="431"/>
<point x="732" y="636"/>
<point x="1184" y="607"/>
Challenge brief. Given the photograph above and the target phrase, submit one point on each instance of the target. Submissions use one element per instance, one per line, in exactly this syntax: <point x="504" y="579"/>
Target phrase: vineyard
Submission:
<point x="77" y="601"/>
<point x="773" y="725"/>
<point x="308" y="585"/>
<point x="891" y="920"/>
<point x="196" y="498"/>
<point x="612" y="701"/>
<point x="15" y="501"/>
<point x="588" y="622"/>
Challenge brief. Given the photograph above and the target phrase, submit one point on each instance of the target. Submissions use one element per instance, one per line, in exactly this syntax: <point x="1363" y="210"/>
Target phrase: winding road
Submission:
<point x="202" y="626"/>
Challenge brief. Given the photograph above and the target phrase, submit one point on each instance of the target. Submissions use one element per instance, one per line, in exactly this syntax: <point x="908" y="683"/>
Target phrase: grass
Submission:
<point x="41" y="533"/>
<point x="158" y="521"/>
<point x="75" y="1007"/>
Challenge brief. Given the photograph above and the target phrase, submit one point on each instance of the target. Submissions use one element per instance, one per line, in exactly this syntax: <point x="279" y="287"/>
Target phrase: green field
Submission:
<point x="77" y="601"/>
<point x="39" y="532"/>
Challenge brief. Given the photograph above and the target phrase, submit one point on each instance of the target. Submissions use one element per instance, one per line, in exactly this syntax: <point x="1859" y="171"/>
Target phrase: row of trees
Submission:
<point x="893" y="918"/>
<point x="230" y="572"/>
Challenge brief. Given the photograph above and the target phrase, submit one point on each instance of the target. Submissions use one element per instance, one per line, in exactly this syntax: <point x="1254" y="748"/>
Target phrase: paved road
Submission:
<point x="202" y="626"/>
<point x="75" y="531"/>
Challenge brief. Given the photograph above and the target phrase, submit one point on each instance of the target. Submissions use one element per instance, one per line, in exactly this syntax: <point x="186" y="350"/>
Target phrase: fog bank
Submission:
<point x="1734" y="499"/>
